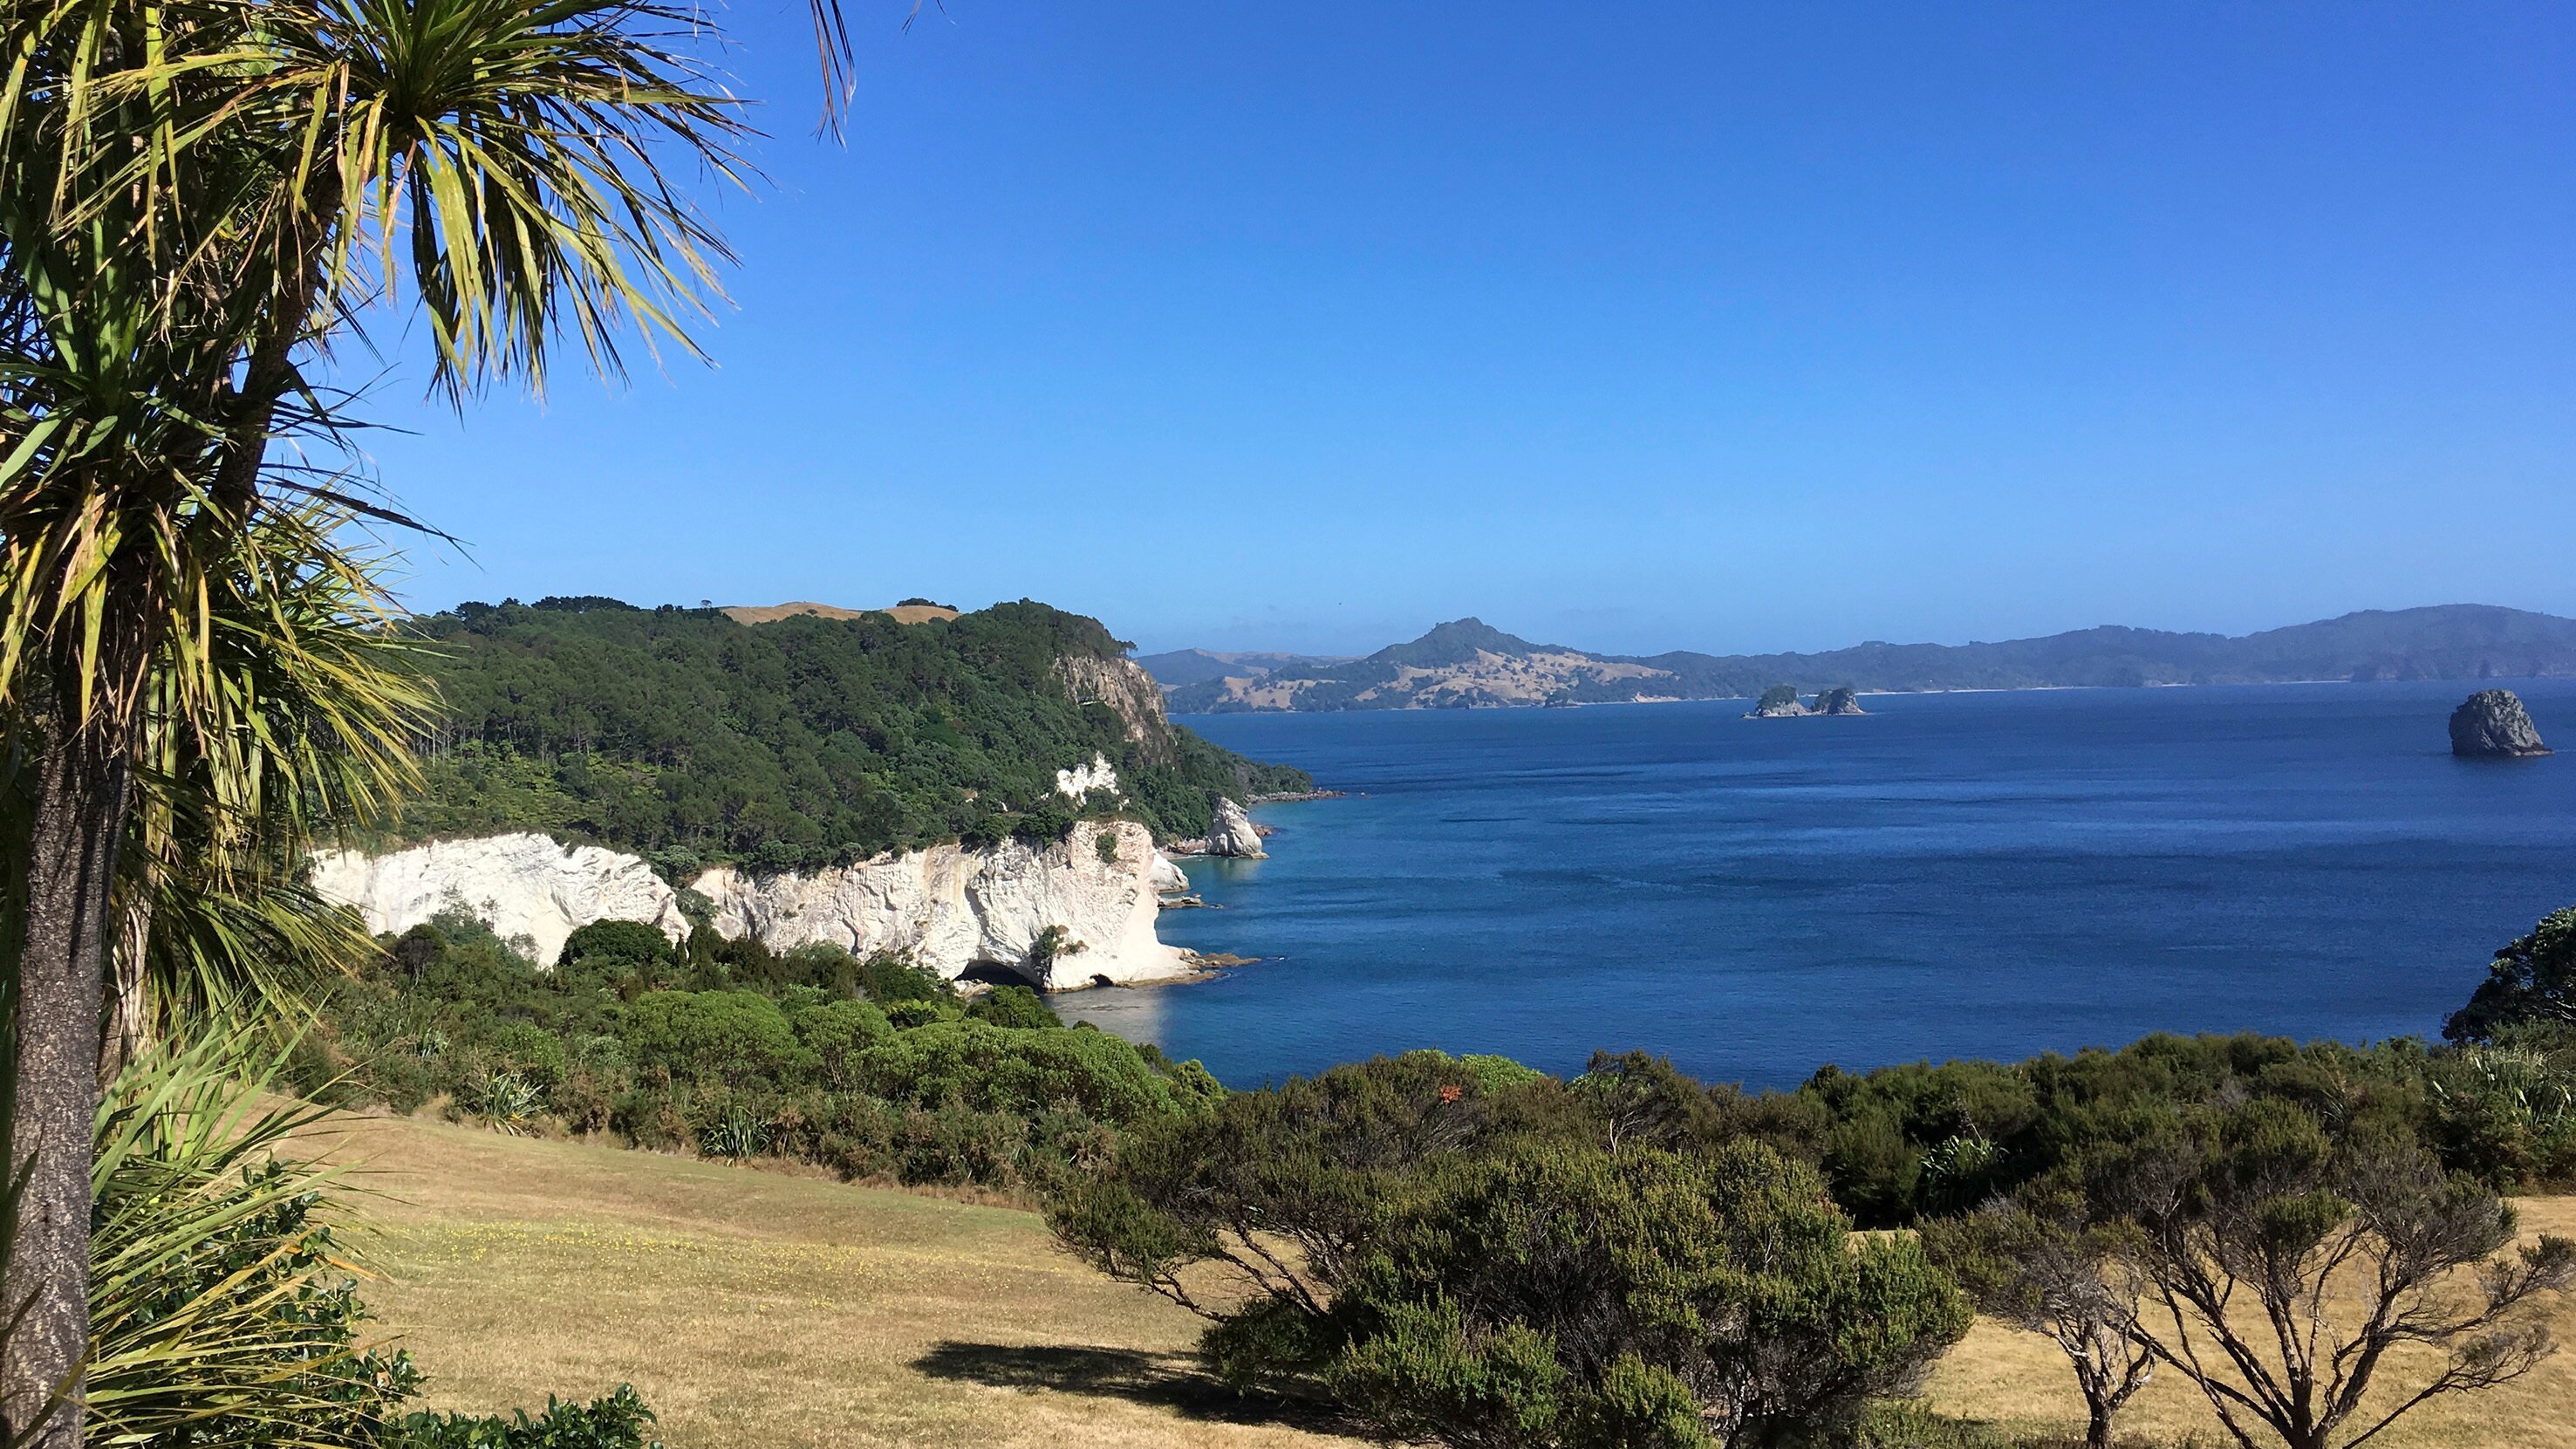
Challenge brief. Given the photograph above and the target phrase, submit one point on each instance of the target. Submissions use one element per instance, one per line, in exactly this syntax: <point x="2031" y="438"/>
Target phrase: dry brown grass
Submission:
<point x="762" y="1309"/>
<point x="768" y="1309"/>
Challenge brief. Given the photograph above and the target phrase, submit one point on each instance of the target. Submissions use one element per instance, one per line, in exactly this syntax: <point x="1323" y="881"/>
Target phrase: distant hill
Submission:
<point x="1189" y="666"/>
<point x="911" y="611"/>
<point x="1470" y="664"/>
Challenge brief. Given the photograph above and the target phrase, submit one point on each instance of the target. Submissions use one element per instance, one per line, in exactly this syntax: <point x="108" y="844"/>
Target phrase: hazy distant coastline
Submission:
<point x="1468" y="664"/>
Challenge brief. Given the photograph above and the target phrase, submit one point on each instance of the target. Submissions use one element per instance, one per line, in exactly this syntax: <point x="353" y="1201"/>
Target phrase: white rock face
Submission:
<point x="1167" y="877"/>
<point x="1083" y="779"/>
<point x="954" y="908"/>
<point x="1232" y="834"/>
<point x="520" y="885"/>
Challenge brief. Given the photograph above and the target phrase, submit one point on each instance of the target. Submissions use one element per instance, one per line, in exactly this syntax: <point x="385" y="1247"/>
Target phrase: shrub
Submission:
<point x="618" y="1421"/>
<point x="222" y="1311"/>
<point x="631" y="942"/>
<point x="1053" y="944"/>
<point x="955" y="1144"/>
<point x="737" y="1134"/>
<point x="985" y="1068"/>
<point x="836" y="1032"/>
<point x="1560" y="1294"/>
<point x="1016" y="1007"/>
<point x="1305" y="1164"/>
<point x="2532" y="979"/>
<point x="504" y="1101"/>
<point x="529" y="1051"/>
<point x="887" y="978"/>
<point x="905" y="1015"/>
<point x="1105" y="844"/>
<point x="722" y="1036"/>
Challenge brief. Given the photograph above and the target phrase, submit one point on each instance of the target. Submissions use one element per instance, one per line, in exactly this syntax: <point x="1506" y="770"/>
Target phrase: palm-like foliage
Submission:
<point x="218" y="918"/>
<point x="220" y="1302"/>
<point x="196" y="198"/>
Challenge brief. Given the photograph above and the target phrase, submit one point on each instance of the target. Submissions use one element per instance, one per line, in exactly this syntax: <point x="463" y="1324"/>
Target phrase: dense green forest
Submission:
<point x="689" y="738"/>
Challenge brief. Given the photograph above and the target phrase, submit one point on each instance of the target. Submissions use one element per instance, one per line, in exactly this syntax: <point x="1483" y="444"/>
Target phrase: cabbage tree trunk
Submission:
<point x="78" y="813"/>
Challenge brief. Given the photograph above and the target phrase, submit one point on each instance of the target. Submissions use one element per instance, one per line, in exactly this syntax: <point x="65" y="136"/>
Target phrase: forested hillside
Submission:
<point x="690" y="738"/>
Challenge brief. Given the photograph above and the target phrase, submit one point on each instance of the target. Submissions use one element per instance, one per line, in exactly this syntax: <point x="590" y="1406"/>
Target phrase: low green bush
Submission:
<point x="619" y="1421"/>
<point x="875" y="1068"/>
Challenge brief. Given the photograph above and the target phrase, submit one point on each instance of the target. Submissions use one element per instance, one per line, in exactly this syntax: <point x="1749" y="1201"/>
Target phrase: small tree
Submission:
<point x="2033" y="1262"/>
<point x="2533" y="979"/>
<point x="1253" y="1215"/>
<point x="1564" y="1296"/>
<point x="2283" y="1262"/>
<point x="1053" y="944"/>
<point x="1266" y="1215"/>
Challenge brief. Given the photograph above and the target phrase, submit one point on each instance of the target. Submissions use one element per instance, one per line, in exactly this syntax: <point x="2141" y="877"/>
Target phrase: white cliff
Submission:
<point x="955" y="909"/>
<point x="952" y="908"/>
<point x="1232" y="833"/>
<point x="1165" y="876"/>
<point x="1081" y="780"/>
<point x="519" y="885"/>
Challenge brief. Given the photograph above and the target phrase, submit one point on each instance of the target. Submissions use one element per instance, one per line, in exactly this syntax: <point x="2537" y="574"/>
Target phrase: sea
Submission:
<point x="1952" y="875"/>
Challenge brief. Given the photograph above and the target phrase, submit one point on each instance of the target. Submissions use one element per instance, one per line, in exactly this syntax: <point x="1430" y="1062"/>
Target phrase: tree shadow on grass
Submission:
<point x="1164" y="1380"/>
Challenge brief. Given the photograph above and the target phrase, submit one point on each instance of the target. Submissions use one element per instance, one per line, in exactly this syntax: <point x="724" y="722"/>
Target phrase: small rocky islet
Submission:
<point x="2492" y="725"/>
<point x="1781" y="702"/>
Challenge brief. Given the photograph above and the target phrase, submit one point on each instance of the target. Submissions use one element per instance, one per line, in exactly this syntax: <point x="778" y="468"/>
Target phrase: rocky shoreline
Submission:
<point x="954" y="909"/>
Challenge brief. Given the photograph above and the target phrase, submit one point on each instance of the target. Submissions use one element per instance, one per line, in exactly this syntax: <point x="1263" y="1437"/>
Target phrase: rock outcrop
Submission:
<point x="954" y="909"/>
<point x="519" y="885"/>
<point x="1232" y="833"/>
<point x="1081" y="780"/>
<point x="2492" y="724"/>
<point x="1126" y="690"/>
<point x="1780" y="701"/>
<point x="1166" y="877"/>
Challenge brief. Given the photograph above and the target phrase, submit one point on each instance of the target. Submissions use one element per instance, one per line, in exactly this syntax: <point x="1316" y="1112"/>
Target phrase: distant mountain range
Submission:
<point x="1468" y="664"/>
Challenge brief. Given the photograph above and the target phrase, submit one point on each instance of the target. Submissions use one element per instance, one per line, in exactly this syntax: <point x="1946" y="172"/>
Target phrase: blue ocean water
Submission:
<point x="1952" y="875"/>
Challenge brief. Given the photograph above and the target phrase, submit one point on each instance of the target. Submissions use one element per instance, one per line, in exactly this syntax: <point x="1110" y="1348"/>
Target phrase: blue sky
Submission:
<point x="1727" y="327"/>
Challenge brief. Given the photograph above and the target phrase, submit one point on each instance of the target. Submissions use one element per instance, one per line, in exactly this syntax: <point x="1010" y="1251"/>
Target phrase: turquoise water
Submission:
<point x="1953" y="875"/>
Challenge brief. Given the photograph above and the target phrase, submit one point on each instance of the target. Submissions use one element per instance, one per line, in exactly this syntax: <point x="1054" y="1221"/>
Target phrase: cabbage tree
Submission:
<point x="198" y="199"/>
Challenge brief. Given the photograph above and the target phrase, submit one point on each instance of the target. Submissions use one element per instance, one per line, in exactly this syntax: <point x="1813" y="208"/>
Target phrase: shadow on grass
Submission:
<point x="1164" y="1380"/>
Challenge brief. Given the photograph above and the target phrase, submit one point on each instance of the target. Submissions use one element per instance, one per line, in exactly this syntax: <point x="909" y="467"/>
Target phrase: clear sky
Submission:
<point x="1646" y="326"/>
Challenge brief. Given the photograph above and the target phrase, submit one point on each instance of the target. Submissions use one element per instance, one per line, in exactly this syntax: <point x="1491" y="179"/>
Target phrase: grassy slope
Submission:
<point x="755" y="1308"/>
<point x="759" y="1308"/>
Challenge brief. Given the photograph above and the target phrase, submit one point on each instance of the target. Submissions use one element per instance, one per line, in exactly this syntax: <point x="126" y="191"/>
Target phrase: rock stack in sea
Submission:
<point x="2492" y="725"/>
<point x="1780" y="701"/>
<point x="1232" y="833"/>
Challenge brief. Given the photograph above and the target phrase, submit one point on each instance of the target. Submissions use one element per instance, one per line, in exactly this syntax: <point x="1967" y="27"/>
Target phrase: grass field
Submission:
<point x="765" y="1309"/>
